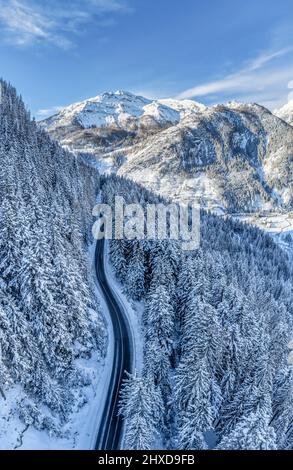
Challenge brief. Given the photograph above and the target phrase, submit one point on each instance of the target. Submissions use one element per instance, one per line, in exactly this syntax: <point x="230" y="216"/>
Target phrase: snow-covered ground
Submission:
<point x="81" y="430"/>
<point x="279" y="225"/>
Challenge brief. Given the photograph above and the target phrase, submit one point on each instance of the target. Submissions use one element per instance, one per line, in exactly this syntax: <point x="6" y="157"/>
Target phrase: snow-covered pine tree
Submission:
<point x="231" y="302"/>
<point x="141" y="406"/>
<point x="49" y="315"/>
<point x="159" y="327"/>
<point x="193" y="400"/>
<point x="252" y="432"/>
<point x="134" y="281"/>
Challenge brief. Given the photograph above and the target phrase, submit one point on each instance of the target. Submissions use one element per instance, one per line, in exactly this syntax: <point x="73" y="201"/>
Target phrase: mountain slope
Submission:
<point x="216" y="323"/>
<point x="234" y="158"/>
<point x="286" y="112"/>
<point x="114" y="116"/>
<point x="50" y="322"/>
<point x="238" y="157"/>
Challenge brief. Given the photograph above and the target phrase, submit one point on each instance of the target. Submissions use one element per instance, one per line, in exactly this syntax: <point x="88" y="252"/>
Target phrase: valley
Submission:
<point x="234" y="159"/>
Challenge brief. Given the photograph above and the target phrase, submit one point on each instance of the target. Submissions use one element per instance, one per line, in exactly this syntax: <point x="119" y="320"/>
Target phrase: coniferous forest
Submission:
<point x="49" y="316"/>
<point x="216" y="321"/>
<point x="216" y="326"/>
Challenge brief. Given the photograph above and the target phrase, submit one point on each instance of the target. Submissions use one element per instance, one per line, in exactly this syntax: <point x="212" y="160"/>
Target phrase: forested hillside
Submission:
<point x="216" y="327"/>
<point x="233" y="157"/>
<point x="216" y="321"/>
<point x="49" y="316"/>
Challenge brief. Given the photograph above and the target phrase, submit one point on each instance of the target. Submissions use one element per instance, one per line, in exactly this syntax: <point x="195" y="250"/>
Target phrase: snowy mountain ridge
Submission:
<point x="234" y="157"/>
<point x="214" y="323"/>
<point x="286" y="112"/>
<point x="122" y="109"/>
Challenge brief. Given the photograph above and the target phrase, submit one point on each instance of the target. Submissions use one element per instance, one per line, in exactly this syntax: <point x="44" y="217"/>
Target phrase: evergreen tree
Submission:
<point x="141" y="406"/>
<point x="252" y="432"/>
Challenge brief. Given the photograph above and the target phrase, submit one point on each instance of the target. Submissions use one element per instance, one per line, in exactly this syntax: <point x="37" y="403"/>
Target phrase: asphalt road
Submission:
<point x="111" y="428"/>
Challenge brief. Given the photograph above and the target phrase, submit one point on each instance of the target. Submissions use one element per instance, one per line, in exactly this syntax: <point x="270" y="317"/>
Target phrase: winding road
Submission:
<point x="111" y="428"/>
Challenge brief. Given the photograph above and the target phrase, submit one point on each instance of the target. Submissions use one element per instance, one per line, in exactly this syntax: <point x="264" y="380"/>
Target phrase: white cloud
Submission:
<point x="109" y="5"/>
<point x="257" y="79"/>
<point x="267" y="57"/>
<point x="23" y="21"/>
<point x="28" y="21"/>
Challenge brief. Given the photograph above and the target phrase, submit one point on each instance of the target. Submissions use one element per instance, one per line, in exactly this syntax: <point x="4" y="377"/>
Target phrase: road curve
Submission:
<point x="111" y="427"/>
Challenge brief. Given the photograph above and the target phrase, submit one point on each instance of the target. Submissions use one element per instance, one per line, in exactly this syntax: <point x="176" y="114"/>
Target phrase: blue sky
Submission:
<point x="60" y="52"/>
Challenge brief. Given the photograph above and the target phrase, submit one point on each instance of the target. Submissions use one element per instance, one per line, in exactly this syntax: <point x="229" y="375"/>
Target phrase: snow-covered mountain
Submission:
<point x="212" y="326"/>
<point x="286" y="112"/>
<point x="122" y="110"/>
<point x="234" y="157"/>
<point x="237" y="157"/>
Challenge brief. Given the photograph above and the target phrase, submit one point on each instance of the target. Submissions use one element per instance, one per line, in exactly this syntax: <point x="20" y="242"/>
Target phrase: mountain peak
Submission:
<point x="234" y="156"/>
<point x="123" y="93"/>
<point x="123" y="109"/>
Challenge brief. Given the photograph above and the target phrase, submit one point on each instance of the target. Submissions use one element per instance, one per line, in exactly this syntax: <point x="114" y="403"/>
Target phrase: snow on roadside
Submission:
<point x="133" y="311"/>
<point x="81" y="430"/>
